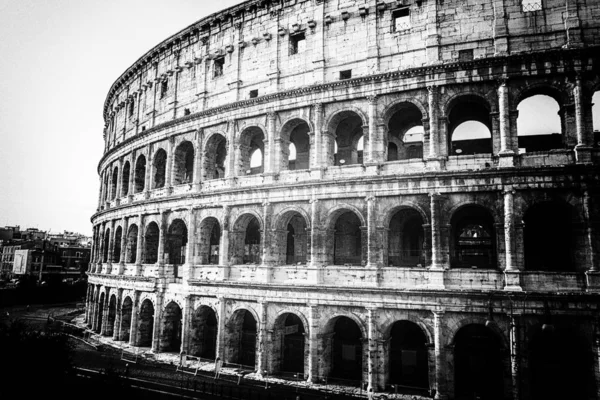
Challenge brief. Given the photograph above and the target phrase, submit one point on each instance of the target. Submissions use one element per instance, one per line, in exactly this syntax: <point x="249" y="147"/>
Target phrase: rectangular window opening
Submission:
<point x="401" y="18"/>
<point x="219" y="63"/>
<point x="131" y="107"/>
<point x="347" y="74"/>
<point x="164" y="87"/>
<point x="465" y="55"/>
<point x="253" y="93"/>
<point x="531" y="5"/>
<point x="297" y="43"/>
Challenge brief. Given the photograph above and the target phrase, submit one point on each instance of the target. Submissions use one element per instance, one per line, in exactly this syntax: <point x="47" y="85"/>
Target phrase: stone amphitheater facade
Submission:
<point x="282" y="188"/>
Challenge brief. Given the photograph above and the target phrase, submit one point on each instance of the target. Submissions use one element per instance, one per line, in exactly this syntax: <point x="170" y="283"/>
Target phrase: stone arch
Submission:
<point x="292" y="238"/>
<point x="242" y="337"/>
<point x="245" y="238"/>
<point x="405" y="130"/>
<point x="126" y="317"/>
<point x="151" y="237"/>
<point x="473" y="237"/>
<point x="106" y="245"/>
<point x="100" y="310"/>
<point x="469" y="108"/>
<point x="139" y="178"/>
<point x="455" y="325"/>
<point x="125" y="178"/>
<point x="112" y="315"/>
<point x="295" y="131"/>
<point x="388" y="212"/>
<point x="172" y="325"/>
<point x="406" y="238"/>
<point x="159" y="169"/>
<point x="204" y="327"/>
<point x="553" y="90"/>
<point x="114" y="183"/>
<point x="393" y="107"/>
<point x="145" y="322"/>
<point x="177" y="242"/>
<point x="407" y="354"/>
<point x="214" y="156"/>
<point x="210" y="240"/>
<point x="338" y="210"/>
<point x="347" y="128"/>
<point x="132" y="244"/>
<point x="183" y="163"/>
<point x="343" y="351"/>
<point x="290" y="349"/>
<point x="116" y="256"/>
<point x="251" y="139"/>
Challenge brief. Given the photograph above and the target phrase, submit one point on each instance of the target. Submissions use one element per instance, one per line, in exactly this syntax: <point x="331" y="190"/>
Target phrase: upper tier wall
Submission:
<point x="254" y="44"/>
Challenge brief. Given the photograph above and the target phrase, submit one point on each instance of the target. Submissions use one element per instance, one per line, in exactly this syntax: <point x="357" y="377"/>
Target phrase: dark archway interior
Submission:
<point x="242" y="339"/>
<point x="347" y="134"/>
<point x="140" y="175"/>
<point x="301" y="141"/>
<point x="401" y="146"/>
<point x="145" y="324"/>
<point x="467" y="109"/>
<point x="252" y="139"/>
<point x="293" y="345"/>
<point x="252" y="243"/>
<point x="214" y="158"/>
<point x="184" y="164"/>
<point x="296" y="241"/>
<point x="171" y="329"/>
<point x="131" y="252"/>
<point x="478" y="364"/>
<point x="114" y="184"/>
<point x="474" y="238"/>
<point x="126" y="313"/>
<point x="159" y="169"/>
<point x="408" y="356"/>
<point x="112" y="315"/>
<point x="405" y="239"/>
<point x="117" y="245"/>
<point x="204" y="337"/>
<point x="100" y="312"/>
<point x="347" y="350"/>
<point x="125" y="179"/>
<point x="210" y="236"/>
<point x="347" y="240"/>
<point x="106" y="245"/>
<point x="151" y="243"/>
<point x="177" y="239"/>
<point x="548" y="237"/>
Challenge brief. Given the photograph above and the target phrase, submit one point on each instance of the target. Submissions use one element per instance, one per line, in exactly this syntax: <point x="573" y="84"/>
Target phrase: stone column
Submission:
<point x="230" y="171"/>
<point x="220" y="350"/>
<point x="170" y="164"/>
<point x="313" y="343"/>
<point x="140" y="246"/>
<point x="186" y="323"/>
<point x="583" y="150"/>
<point x="157" y="328"/>
<point x="376" y="149"/>
<point x="189" y="250"/>
<point x="263" y="342"/>
<point x="434" y="126"/>
<point x="507" y="152"/>
<point x="440" y="369"/>
<point x="224" y="245"/>
<point x="317" y="149"/>
<point x="118" y="190"/>
<point x="515" y="356"/>
<point x="315" y="241"/>
<point x="372" y="360"/>
<point x="198" y="161"/>
<point x="590" y="233"/>
<point x="111" y="246"/>
<point x="266" y="235"/>
<point x="372" y="243"/>
<point x="119" y="316"/>
<point x="133" y="329"/>
<point x="512" y="276"/>
<point x="270" y="155"/>
<point x="131" y="182"/>
<point x="436" y="247"/>
<point x="125" y="227"/>
<point x="162" y="238"/>
<point x="148" y="178"/>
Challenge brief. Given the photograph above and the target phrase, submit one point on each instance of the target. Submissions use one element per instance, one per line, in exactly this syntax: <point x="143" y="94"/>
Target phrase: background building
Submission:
<point x="356" y="193"/>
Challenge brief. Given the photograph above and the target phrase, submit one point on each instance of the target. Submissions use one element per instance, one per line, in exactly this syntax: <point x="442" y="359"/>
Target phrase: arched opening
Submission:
<point x="346" y="350"/>
<point x="177" y="238"/>
<point x="242" y="339"/>
<point x="408" y="356"/>
<point x="170" y="340"/>
<point x="204" y="333"/>
<point x="125" y="179"/>
<point x="549" y="237"/>
<point x="478" y="364"/>
<point x="131" y="250"/>
<point x="289" y="346"/>
<point x="562" y="366"/>
<point x="292" y="239"/>
<point x="151" y="243"/>
<point x="405" y="133"/>
<point x="145" y="324"/>
<point x="246" y="244"/>
<point x="539" y="126"/>
<point x="140" y="174"/>
<point x="126" y="313"/>
<point x="106" y="246"/>
<point x="114" y="183"/>
<point x="106" y="187"/>
<point x="210" y="236"/>
<point x="116" y="256"/>
<point x="112" y="316"/>
<point x="184" y="163"/>
<point x="100" y="313"/>
<point x="159" y="169"/>
<point x="348" y="133"/>
<point x="406" y="239"/>
<point x="347" y="244"/>
<point x="469" y="126"/>
<point x="215" y="153"/>
<point x="252" y="150"/>
<point x="473" y="240"/>
<point x="297" y="154"/>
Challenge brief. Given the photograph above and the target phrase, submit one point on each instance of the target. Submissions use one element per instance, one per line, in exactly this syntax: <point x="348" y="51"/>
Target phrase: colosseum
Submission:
<point x="345" y="191"/>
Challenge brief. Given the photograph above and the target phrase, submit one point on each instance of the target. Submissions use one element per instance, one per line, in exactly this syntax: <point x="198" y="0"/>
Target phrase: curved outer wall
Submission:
<point x="433" y="232"/>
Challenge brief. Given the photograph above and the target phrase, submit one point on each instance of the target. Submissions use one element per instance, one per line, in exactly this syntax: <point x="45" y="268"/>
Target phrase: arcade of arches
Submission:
<point x="348" y="346"/>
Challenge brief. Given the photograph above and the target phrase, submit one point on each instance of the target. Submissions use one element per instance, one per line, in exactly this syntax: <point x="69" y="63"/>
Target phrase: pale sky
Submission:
<point x="58" y="61"/>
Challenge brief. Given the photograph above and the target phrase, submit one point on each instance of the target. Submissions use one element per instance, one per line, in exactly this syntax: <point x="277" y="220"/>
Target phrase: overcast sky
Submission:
<point x="58" y="61"/>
